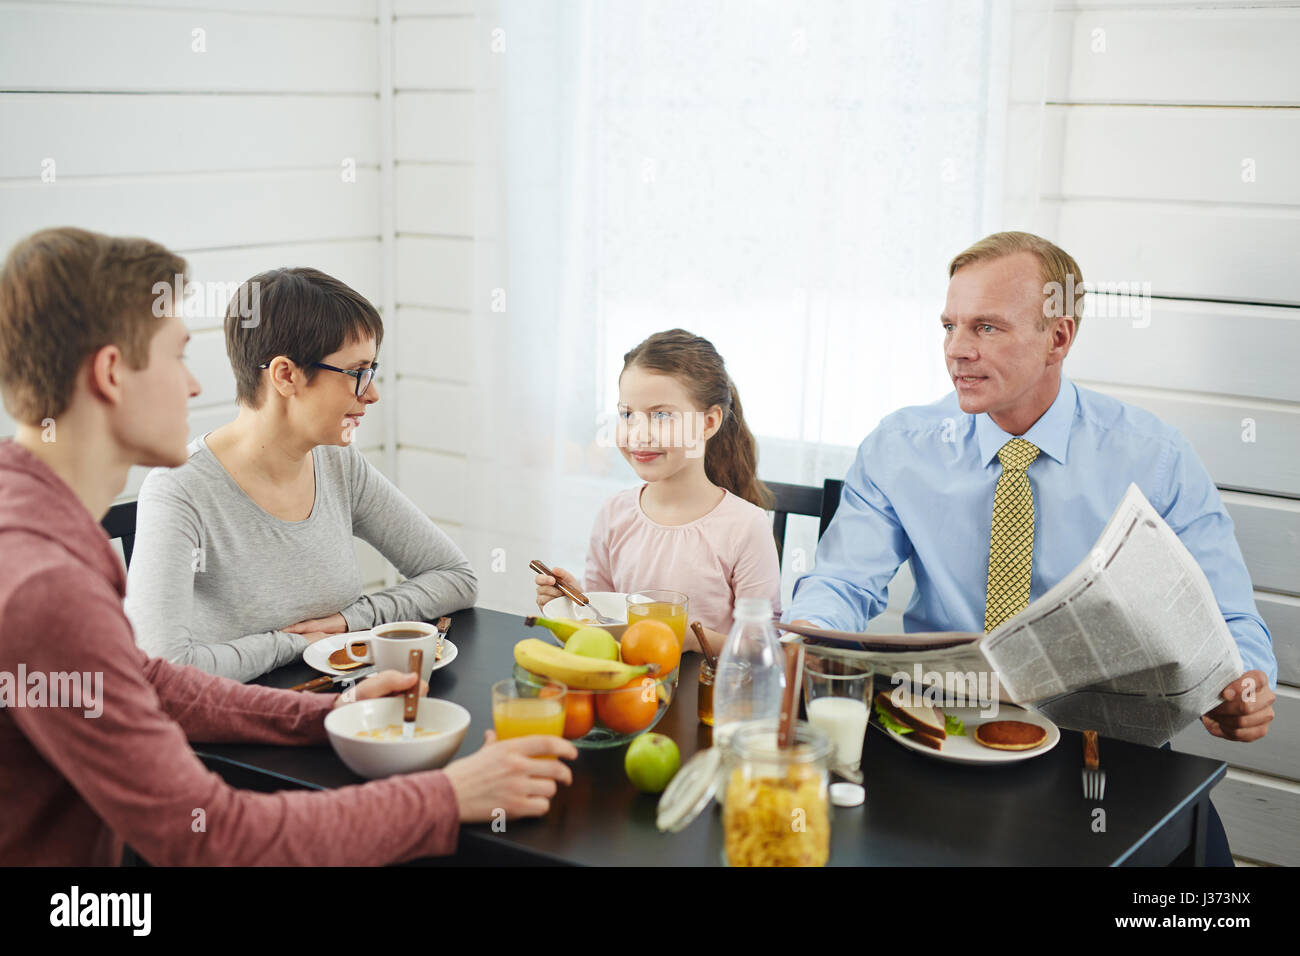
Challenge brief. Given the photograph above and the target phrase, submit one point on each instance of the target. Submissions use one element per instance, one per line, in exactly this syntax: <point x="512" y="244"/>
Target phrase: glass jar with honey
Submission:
<point x="705" y="705"/>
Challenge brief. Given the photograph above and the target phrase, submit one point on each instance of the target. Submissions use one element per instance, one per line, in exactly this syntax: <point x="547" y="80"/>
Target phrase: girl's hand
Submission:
<point x="546" y="589"/>
<point x="334" y="624"/>
<point x="715" y="638"/>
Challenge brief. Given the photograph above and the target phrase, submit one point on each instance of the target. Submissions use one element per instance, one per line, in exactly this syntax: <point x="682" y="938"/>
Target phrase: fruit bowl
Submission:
<point x="615" y="716"/>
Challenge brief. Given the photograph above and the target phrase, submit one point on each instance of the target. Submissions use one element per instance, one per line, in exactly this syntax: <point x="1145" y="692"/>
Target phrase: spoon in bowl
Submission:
<point x="574" y="595"/>
<point x="411" y="699"/>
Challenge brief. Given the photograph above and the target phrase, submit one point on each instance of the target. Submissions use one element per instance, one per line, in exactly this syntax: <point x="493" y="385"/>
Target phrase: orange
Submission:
<point x="630" y="708"/>
<point x="579" y="714"/>
<point x="651" y="642"/>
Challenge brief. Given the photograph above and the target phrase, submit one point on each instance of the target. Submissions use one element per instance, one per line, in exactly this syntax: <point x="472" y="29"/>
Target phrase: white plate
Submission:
<point x="966" y="750"/>
<point x="317" y="655"/>
<point x="608" y="603"/>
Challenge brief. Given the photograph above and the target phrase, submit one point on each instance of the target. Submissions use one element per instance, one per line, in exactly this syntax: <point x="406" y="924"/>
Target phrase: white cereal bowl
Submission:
<point x="371" y="758"/>
<point x="609" y="603"/>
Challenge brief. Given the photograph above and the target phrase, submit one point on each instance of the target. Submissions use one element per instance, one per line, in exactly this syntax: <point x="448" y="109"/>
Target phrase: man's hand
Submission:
<point x="334" y="624"/>
<point x="386" y="684"/>
<point x="1246" y="711"/>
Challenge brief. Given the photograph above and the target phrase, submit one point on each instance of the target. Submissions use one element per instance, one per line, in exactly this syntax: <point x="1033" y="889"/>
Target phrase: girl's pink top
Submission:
<point x="727" y="554"/>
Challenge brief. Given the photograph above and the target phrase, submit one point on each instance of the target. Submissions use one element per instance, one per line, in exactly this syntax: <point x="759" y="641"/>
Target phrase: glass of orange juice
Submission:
<point x="659" y="605"/>
<point x="520" y="709"/>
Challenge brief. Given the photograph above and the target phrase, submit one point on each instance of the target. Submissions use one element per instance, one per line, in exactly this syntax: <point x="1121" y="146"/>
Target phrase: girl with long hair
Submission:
<point x="697" y="524"/>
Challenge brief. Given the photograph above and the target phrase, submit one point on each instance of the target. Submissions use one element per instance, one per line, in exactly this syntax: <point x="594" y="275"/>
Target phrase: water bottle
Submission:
<point x="750" y="675"/>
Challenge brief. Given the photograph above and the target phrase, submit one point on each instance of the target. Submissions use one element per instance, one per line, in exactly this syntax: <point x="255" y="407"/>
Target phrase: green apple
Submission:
<point x="593" y="642"/>
<point x="652" y="760"/>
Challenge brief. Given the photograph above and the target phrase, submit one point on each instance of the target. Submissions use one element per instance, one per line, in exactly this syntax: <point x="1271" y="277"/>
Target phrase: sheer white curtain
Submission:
<point x="787" y="180"/>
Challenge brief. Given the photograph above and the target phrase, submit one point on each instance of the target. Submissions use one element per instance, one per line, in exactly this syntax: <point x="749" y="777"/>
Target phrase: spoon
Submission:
<point x="411" y="701"/>
<point x="577" y="597"/>
<point x="698" y="628"/>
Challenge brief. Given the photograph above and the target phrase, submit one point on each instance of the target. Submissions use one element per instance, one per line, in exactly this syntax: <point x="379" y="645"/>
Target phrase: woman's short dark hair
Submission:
<point x="302" y="314"/>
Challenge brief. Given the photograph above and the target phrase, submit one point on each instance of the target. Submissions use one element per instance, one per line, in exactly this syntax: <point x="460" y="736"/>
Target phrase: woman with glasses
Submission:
<point x="244" y="555"/>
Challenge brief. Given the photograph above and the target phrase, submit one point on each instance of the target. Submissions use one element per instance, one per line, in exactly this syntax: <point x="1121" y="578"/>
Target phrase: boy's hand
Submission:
<point x="507" y="776"/>
<point x="386" y="684"/>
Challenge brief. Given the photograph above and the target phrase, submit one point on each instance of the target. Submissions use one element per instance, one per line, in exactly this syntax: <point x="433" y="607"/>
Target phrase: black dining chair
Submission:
<point x="120" y="523"/>
<point x="802" y="500"/>
<point x="831" y="489"/>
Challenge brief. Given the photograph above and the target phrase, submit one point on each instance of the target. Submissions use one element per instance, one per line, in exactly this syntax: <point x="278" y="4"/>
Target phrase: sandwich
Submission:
<point x="912" y="716"/>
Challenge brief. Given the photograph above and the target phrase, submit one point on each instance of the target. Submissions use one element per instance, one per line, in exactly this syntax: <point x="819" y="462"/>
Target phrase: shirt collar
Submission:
<point x="1050" y="434"/>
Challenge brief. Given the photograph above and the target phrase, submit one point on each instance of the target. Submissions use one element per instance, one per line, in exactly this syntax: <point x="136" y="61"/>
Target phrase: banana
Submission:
<point x="561" y="627"/>
<point x="582" y="673"/>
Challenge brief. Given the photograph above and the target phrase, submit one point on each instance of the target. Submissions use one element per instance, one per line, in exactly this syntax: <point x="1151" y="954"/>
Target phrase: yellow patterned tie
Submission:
<point x="1011" y="545"/>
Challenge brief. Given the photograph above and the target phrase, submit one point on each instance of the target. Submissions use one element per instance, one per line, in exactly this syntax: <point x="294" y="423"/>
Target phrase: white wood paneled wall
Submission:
<point x="1179" y="166"/>
<point x="441" y="209"/>
<point x="233" y="156"/>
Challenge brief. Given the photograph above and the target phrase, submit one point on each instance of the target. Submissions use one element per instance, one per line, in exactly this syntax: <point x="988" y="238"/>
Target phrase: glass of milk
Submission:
<point x="837" y="693"/>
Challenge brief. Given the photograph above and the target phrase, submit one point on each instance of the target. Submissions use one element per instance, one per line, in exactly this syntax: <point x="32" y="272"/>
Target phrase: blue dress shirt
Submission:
<point x="921" y="490"/>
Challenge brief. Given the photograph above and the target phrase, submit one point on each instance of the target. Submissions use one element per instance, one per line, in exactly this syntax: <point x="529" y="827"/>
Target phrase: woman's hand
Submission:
<point x="546" y="589"/>
<point x="386" y="684"/>
<point x="505" y="776"/>
<point x="334" y="624"/>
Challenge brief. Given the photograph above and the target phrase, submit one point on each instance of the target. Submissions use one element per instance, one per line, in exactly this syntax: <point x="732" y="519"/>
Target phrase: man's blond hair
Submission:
<point x="1062" y="278"/>
<point x="65" y="293"/>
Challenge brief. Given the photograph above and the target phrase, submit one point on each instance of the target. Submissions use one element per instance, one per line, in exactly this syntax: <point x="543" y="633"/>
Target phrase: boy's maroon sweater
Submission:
<point x="74" y="786"/>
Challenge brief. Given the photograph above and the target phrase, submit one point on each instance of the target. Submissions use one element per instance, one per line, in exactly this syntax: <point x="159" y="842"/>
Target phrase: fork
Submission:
<point x="577" y="597"/>
<point x="442" y="626"/>
<point x="1094" y="778"/>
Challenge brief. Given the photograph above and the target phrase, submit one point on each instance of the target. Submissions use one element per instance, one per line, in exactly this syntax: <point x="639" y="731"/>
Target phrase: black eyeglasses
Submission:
<point x="364" y="376"/>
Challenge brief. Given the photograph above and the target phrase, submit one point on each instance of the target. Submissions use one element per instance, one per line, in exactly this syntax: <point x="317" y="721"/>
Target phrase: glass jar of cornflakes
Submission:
<point x="776" y="810"/>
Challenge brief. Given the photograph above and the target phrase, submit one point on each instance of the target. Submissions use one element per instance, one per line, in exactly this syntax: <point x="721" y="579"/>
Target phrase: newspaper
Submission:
<point x="1131" y="643"/>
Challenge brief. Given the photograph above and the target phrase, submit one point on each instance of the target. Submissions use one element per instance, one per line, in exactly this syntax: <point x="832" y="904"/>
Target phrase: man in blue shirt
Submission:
<point x="922" y="487"/>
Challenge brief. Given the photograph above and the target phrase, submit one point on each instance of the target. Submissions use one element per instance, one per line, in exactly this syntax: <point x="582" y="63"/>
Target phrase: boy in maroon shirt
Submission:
<point x="96" y="380"/>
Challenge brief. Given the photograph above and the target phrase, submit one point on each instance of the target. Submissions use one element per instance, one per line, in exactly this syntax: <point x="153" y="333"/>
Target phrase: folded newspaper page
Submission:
<point x="1131" y="643"/>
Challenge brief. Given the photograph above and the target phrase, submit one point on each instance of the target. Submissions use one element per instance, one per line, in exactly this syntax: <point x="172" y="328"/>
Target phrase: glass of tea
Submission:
<point x="659" y="605"/>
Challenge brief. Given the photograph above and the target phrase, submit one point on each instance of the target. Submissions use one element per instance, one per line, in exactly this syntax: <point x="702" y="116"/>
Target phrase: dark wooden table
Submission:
<point x="918" y="811"/>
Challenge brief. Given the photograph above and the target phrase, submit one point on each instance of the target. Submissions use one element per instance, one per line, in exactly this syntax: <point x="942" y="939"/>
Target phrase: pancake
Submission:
<point x="339" y="660"/>
<point x="1010" y="735"/>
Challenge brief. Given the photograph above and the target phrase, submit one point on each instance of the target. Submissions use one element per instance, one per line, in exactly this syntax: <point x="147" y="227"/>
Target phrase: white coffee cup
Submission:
<point x="394" y="653"/>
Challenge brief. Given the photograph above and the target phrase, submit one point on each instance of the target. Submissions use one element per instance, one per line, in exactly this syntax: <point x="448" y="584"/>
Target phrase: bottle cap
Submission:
<point x="847" y="794"/>
<point x="753" y="609"/>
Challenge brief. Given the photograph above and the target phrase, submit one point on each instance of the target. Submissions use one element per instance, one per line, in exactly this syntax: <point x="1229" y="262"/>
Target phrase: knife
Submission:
<point x="320" y="683"/>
